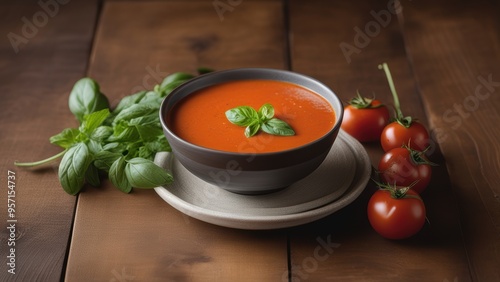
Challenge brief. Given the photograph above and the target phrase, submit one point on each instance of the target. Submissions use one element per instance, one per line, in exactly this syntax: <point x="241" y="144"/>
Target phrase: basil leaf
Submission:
<point x="93" y="120"/>
<point x="242" y="116"/>
<point x="101" y="133"/>
<point x="85" y="98"/>
<point x="124" y="134"/>
<point x="165" y="90"/>
<point x="170" y="82"/>
<point x="92" y="175"/>
<point x="151" y="119"/>
<point x="175" y="77"/>
<point x="148" y="132"/>
<point x="134" y="111"/>
<point x="118" y="177"/>
<point x="204" y="70"/>
<point x="159" y="145"/>
<point x="266" y="112"/>
<point x="276" y="126"/>
<point x="132" y="150"/>
<point x="252" y="129"/>
<point x="149" y="149"/>
<point x="143" y="173"/>
<point x="113" y="147"/>
<point x="128" y="101"/>
<point x="152" y="98"/>
<point x="94" y="147"/>
<point x="73" y="167"/>
<point x="145" y="153"/>
<point x="67" y="138"/>
<point x="104" y="159"/>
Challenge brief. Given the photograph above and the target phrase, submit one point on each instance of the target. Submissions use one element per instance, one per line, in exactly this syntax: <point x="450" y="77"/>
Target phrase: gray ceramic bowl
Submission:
<point x="248" y="173"/>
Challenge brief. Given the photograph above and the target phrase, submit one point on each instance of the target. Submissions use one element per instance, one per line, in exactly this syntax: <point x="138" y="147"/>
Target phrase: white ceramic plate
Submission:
<point x="336" y="183"/>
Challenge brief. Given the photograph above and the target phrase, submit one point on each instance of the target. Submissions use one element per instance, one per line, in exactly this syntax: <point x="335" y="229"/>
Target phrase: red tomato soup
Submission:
<point x="200" y="117"/>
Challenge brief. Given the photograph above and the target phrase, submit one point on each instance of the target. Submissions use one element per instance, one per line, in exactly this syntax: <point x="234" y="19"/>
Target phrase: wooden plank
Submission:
<point x="41" y="56"/>
<point x="342" y="44"/>
<point x="139" y="236"/>
<point x="455" y="51"/>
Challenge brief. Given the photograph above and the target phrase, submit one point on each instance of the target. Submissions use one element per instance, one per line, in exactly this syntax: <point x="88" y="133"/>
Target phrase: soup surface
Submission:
<point x="200" y="117"/>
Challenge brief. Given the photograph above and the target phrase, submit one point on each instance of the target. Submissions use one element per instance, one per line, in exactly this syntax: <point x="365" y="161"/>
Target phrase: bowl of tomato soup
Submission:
<point x="196" y="123"/>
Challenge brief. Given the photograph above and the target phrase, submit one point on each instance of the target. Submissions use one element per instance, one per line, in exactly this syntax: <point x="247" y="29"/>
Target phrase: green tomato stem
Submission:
<point x="47" y="160"/>
<point x="397" y="106"/>
<point x="398" y="192"/>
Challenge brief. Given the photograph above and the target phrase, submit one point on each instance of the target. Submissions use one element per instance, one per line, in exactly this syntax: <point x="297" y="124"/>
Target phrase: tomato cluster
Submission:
<point x="396" y="210"/>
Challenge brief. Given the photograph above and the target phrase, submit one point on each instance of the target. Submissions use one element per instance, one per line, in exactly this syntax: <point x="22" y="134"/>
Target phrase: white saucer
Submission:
<point x="336" y="183"/>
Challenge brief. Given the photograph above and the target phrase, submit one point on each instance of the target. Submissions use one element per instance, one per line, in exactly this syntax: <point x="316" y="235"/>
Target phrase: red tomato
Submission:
<point x="405" y="167"/>
<point x="395" y="218"/>
<point x="396" y="135"/>
<point x="365" y="123"/>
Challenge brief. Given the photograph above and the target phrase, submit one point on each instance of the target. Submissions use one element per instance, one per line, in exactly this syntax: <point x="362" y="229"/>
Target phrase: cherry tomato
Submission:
<point x="405" y="167"/>
<point x="364" y="119"/>
<point x="396" y="135"/>
<point x="405" y="130"/>
<point x="396" y="218"/>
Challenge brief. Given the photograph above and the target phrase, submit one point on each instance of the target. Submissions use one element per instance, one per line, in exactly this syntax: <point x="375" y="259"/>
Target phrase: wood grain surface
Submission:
<point x="455" y="53"/>
<point x="40" y="61"/>
<point x="444" y="59"/>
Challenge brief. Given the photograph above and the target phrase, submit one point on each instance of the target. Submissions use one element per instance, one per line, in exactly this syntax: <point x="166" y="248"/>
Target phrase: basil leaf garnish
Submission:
<point x="276" y="126"/>
<point x="242" y="116"/>
<point x="263" y="119"/>
<point x="252" y="129"/>
<point x="266" y="112"/>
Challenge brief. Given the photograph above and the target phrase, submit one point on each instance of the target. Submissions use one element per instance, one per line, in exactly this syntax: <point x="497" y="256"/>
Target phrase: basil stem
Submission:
<point x="41" y="162"/>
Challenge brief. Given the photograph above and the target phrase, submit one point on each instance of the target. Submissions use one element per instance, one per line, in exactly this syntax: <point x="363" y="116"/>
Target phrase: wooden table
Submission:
<point x="444" y="58"/>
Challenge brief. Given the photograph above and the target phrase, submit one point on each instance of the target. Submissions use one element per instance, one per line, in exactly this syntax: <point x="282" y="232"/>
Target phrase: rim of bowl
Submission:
<point x="336" y="126"/>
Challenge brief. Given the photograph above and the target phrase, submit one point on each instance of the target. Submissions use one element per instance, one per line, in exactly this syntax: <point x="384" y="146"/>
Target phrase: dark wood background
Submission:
<point x="444" y="57"/>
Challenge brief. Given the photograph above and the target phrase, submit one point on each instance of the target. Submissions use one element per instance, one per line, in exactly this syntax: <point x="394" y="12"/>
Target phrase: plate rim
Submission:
<point x="267" y="222"/>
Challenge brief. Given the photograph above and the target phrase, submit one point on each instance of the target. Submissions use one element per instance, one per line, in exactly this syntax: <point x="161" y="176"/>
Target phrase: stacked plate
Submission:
<point x="338" y="181"/>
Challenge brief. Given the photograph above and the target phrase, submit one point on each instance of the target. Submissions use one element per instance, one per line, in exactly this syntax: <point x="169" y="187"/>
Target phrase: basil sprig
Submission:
<point x="259" y="120"/>
<point x="120" y="143"/>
